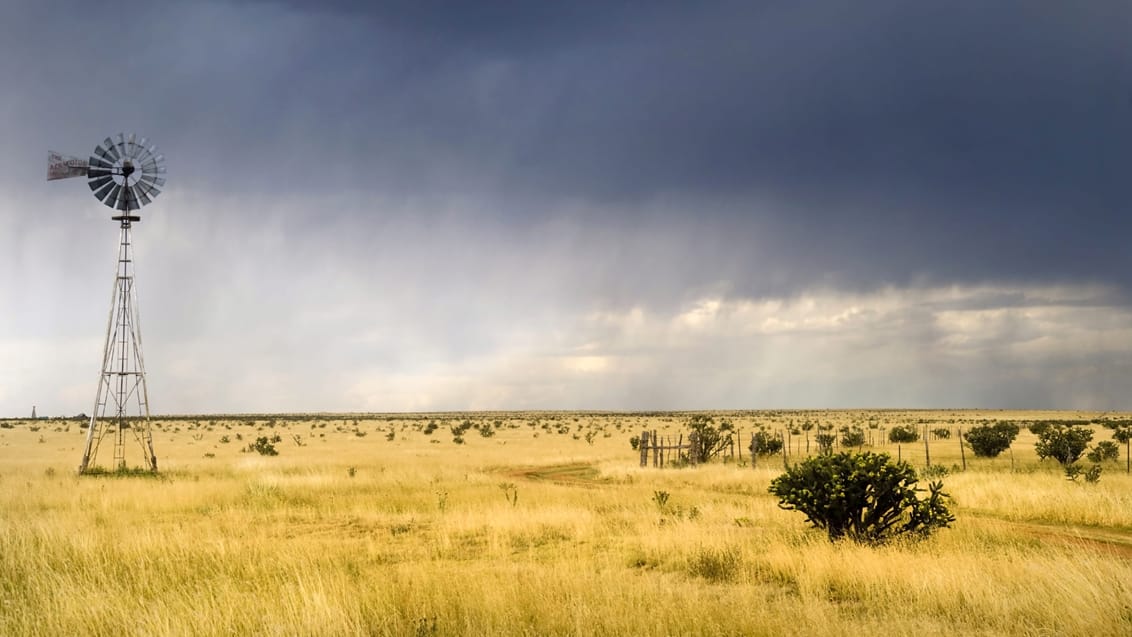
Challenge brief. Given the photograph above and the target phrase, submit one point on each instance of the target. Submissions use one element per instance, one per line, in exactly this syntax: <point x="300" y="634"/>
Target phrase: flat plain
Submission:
<point x="538" y="524"/>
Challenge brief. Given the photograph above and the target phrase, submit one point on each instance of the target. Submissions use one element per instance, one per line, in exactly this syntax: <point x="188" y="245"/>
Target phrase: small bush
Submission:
<point x="1093" y="474"/>
<point x="825" y="442"/>
<point x="942" y="433"/>
<point x="714" y="565"/>
<point x="864" y="497"/>
<point x="1105" y="450"/>
<point x="710" y="439"/>
<point x="1063" y="444"/>
<point x="903" y="433"/>
<point x="937" y="471"/>
<point x="852" y="437"/>
<point x="988" y="441"/>
<point x="765" y="443"/>
<point x="264" y="446"/>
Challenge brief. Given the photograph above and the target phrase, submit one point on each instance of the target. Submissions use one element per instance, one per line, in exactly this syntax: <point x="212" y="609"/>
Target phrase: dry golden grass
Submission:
<point x="358" y="535"/>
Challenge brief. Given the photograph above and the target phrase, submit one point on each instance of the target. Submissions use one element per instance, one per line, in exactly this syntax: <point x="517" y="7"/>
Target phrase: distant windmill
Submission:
<point x="125" y="174"/>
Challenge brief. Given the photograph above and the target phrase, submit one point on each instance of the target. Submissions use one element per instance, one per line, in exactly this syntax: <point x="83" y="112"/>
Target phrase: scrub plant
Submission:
<point x="988" y="441"/>
<point x="863" y="497"/>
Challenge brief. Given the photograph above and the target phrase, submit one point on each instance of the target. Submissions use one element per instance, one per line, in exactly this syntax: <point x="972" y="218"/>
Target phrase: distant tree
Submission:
<point x="765" y="443"/>
<point x="710" y="439"/>
<point x="1064" y="444"/>
<point x="989" y="441"/>
<point x="1104" y="451"/>
<point x="852" y="437"/>
<point x="903" y="433"/>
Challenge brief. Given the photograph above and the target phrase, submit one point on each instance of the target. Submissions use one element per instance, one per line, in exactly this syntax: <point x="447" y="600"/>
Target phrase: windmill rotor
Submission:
<point x="127" y="173"/>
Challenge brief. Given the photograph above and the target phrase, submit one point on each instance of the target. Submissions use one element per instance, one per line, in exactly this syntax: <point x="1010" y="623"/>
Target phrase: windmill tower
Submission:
<point x="125" y="174"/>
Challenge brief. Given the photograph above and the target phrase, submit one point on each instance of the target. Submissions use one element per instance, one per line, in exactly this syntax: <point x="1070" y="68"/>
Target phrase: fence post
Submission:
<point x="655" y="449"/>
<point x="927" y="452"/>
<point x="962" y="453"/>
<point x="644" y="446"/>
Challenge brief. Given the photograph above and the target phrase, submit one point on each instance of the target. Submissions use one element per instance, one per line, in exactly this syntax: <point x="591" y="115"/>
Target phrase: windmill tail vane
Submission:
<point x="60" y="166"/>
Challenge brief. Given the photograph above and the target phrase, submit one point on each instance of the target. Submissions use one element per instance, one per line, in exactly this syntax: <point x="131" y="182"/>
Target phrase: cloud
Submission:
<point x="1052" y="348"/>
<point x="366" y="197"/>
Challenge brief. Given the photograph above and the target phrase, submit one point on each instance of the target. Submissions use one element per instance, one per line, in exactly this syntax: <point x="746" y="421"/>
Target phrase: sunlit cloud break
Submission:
<point x="958" y="346"/>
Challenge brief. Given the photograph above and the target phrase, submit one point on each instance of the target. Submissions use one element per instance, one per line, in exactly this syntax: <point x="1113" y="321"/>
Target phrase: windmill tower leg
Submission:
<point x="121" y="383"/>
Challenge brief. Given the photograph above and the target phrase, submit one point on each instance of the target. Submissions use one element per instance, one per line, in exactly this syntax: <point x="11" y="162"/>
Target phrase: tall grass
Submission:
<point x="419" y="539"/>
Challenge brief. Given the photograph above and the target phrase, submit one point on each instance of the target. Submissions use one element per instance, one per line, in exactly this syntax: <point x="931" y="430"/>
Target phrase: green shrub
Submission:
<point x="989" y="441"/>
<point x="765" y="443"/>
<point x="264" y="446"/>
<point x="864" y="497"/>
<point x="941" y="433"/>
<point x="1105" y="450"/>
<point x="903" y="433"/>
<point x="852" y="437"/>
<point x="1064" y="444"/>
<point x="825" y="442"/>
<point x="1093" y="474"/>
<point x="710" y="439"/>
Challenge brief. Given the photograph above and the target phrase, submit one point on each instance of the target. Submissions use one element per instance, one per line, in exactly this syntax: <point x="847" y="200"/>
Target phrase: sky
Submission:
<point x="408" y="206"/>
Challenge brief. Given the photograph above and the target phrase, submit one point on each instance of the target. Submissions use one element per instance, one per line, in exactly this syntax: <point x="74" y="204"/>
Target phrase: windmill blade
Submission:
<point x="149" y="188"/>
<point x="112" y="196"/>
<point x="131" y="200"/>
<point x="103" y="155"/>
<point x="95" y="184"/>
<point x="98" y="162"/>
<point x="123" y="153"/>
<point x="143" y="198"/>
<point x="152" y="180"/>
<point x="121" y="201"/>
<point x="102" y="190"/>
<point x="108" y="145"/>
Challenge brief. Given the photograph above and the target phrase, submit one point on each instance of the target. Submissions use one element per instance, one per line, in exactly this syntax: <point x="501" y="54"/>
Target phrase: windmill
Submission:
<point x="125" y="174"/>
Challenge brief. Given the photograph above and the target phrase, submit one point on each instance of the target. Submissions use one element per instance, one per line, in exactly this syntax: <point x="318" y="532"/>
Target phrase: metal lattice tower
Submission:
<point x="125" y="175"/>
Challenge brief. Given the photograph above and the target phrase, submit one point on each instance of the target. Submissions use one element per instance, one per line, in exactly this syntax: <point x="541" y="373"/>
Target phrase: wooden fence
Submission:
<point x="663" y="450"/>
<point x="667" y="450"/>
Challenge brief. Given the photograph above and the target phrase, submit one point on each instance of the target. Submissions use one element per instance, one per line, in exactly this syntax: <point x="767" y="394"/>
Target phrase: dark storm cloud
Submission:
<point x="831" y="143"/>
<point x="888" y="141"/>
<point x="598" y="204"/>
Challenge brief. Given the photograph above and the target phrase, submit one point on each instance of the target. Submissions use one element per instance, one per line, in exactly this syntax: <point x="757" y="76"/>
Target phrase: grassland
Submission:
<point x="547" y="526"/>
